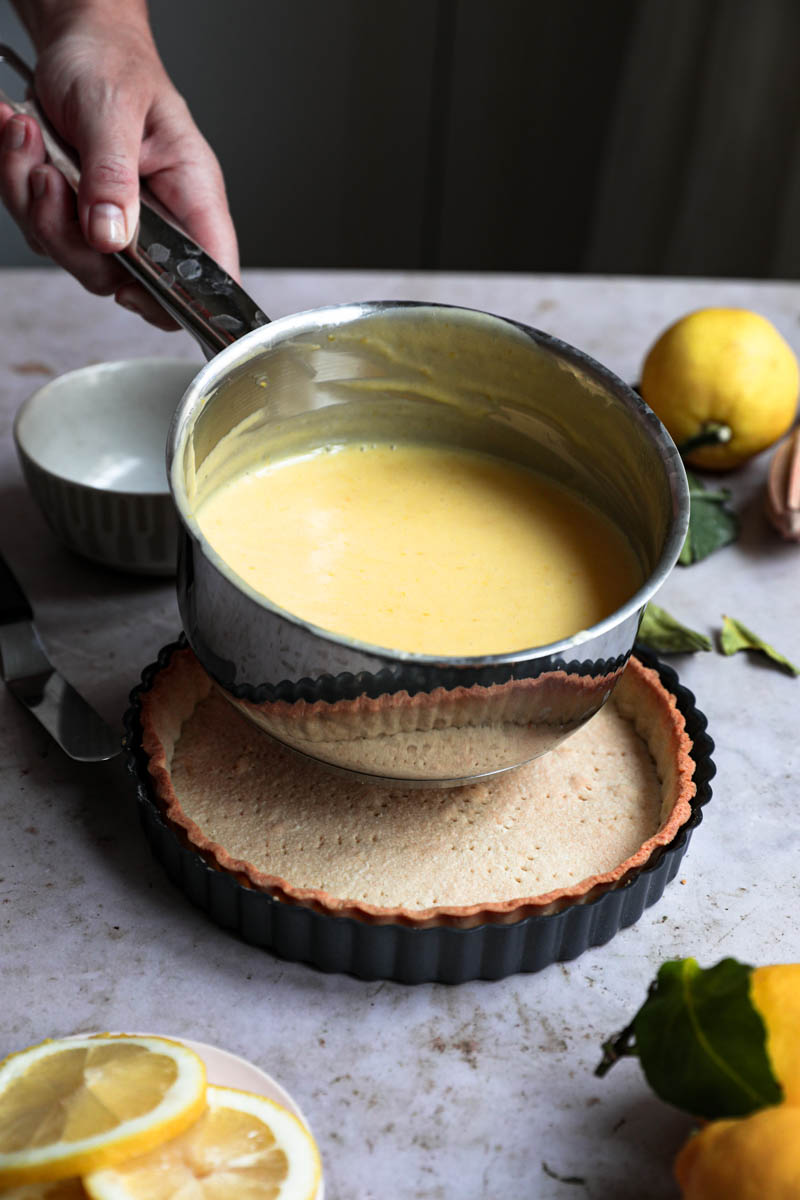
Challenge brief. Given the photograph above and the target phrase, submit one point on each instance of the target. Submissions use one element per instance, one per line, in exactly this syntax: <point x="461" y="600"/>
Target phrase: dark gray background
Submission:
<point x="634" y="136"/>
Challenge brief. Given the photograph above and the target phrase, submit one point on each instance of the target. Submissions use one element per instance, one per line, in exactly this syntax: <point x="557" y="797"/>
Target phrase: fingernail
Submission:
<point x="38" y="182"/>
<point x="15" y="134"/>
<point x="107" y="224"/>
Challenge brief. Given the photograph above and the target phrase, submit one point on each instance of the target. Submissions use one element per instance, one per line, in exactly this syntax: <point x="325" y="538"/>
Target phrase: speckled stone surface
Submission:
<point x="481" y="1091"/>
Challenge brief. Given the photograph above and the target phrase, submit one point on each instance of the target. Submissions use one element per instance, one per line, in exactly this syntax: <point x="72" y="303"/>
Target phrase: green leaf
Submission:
<point x="663" y="633"/>
<point x="702" y="1044"/>
<point x="696" y="486"/>
<point x="711" y="524"/>
<point x="736" y="636"/>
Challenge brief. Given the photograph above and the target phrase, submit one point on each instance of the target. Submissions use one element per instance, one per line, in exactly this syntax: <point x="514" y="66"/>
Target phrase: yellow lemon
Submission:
<point x="724" y="368"/>
<point x="775" y="992"/>
<point x="753" y="1158"/>
<point x="242" y="1145"/>
<point x="70" y="1106"/>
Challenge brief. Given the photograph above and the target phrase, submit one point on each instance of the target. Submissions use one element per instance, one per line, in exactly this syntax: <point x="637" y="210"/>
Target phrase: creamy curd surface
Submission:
<point x="421" y="548"/>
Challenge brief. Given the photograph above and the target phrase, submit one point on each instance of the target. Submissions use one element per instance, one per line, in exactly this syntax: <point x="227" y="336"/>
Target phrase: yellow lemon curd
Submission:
<point x="421" y="548"/>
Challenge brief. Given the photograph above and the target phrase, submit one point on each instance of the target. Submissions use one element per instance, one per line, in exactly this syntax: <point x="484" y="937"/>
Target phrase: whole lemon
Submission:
<point x="752" y="1158"/>
<point x="722" y="367"/>
<point x="775" y="993"/>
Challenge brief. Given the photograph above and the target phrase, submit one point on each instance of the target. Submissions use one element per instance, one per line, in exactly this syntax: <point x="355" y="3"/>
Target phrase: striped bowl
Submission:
<point x="92" y="448"/>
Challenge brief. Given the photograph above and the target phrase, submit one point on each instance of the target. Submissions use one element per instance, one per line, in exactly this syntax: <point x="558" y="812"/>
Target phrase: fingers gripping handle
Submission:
<point x="187" y="282"/>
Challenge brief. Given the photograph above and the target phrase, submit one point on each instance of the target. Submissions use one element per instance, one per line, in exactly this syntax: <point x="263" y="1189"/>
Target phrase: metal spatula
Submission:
<point x="30" y="676"/>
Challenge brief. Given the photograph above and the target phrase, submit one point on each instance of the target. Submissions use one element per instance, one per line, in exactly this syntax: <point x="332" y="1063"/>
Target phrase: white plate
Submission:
<point x="229" y="1070"/>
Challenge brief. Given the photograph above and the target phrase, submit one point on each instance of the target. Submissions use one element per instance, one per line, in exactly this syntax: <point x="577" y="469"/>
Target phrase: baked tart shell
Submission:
<point x="523" y="933"/>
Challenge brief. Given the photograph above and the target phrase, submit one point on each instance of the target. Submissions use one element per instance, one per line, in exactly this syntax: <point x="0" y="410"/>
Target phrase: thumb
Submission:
<point x="108" y="195"/>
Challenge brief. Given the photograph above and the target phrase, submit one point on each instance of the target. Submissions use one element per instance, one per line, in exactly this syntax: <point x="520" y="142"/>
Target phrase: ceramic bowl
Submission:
<point x="92" y="446"/>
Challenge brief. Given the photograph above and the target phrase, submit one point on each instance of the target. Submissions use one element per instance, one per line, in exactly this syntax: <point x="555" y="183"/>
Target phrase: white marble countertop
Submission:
<point x="482" y="1090"/>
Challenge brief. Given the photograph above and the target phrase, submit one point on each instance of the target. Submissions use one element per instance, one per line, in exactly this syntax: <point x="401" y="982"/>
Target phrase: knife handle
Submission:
<point x="14" y="604"/>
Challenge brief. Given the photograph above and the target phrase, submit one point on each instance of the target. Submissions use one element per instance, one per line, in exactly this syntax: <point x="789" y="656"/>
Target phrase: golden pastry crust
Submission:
<point x="246" y="804"/>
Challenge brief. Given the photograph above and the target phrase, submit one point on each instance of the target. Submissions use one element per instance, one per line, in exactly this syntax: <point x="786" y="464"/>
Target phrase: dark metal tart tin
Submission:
<point x="398" y="952"/>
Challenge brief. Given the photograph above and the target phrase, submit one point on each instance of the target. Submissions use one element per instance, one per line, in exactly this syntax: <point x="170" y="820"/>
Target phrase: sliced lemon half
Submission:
<point x="68" y="1107"/>
<point x="242" y="1146"/>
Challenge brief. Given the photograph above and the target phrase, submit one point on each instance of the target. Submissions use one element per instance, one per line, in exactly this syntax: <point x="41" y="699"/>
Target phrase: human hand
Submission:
<point x="102" y="85"/>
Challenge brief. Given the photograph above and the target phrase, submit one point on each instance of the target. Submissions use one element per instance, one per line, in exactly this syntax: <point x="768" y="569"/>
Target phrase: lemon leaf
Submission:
<point x="663" y="633"/>
<point x="711" y="524"/>
<point x="702" y="1044"/>
<point x="736" y="636"/>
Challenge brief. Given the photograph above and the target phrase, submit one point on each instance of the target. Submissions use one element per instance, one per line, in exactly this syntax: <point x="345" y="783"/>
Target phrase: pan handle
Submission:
<point x="187" y="282"/>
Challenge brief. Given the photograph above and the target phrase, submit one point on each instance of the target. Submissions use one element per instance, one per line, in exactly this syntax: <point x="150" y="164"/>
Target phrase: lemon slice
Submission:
<point x="242" y="1146"/>
<point x="68" y="1107"/>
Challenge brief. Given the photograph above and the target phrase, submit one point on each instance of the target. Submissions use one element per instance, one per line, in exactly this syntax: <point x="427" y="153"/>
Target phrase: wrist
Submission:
<point x="49" y="20"/>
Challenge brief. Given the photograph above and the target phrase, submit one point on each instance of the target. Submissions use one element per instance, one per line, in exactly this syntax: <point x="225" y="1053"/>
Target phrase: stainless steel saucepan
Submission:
<point x="383" y="371"/>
